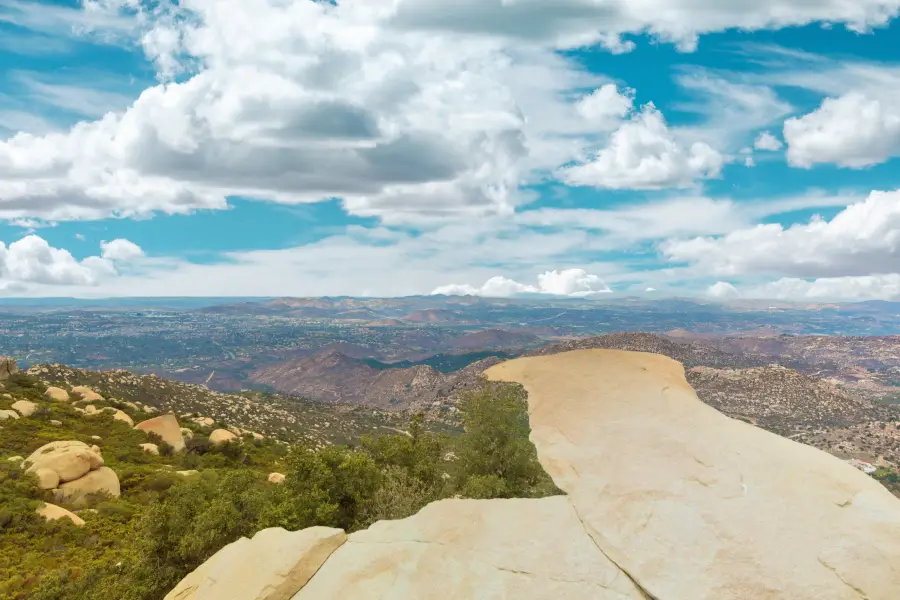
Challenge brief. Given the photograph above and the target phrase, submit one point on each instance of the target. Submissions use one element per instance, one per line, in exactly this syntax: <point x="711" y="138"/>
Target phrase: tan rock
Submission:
<point x="47" y="478"/>
<point x="52" y="512"/>
<point x="90" y="409"/>
<point x="150" y="448"/>
<point x="57" y="394"/>
<point x="25" y="408"/>
<point x="273" y="565"/>
<point x="209" y="422"/>
<point x="103" y="480"/>
<point x="8" y="414"/>
<point x="122" y="416"/>
<point x="55" y="422"/>
<point x="69" y="459"/>
<point x="221" y="436"/>
<point x="276" y="478"/>
<point x="15" y="459"/>
<point x="258" y="436"/>
<point x="693" y="504"/>
<point x="87" y="393"/>
<point x="165" y="426"/>
<point x="460" y="549"/>
<point x="187" y="434"/>
<point x="8" y="367"/>
<point x="187" y="473"/>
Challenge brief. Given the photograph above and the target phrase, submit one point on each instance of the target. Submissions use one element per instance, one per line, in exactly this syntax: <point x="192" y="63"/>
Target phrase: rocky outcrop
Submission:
<point x="273" y="565"/>
<point x="8" y="367"/>
<point x="24" y="407"/>
<point x="79" y="492"/>
<point x="166" y="427"/>
<point x="667" y="499"/>
<point x="150" y="448"/>
<point x="122" y="416"/>
<point x="57" y="394"/>
<point x="87" y="394"/>
<point x="276" y="478"/>
<point x="221" y="436"/>
<point x="52" y="512"/>
<point x="73" y="470"/>
<point x="8" y="414"/>
<point x="68" y="459"/>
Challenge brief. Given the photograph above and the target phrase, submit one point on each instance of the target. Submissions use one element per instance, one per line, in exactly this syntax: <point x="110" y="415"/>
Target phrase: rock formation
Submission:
<point x="166" y="427"/>
<point x="8" y="367"/>
<point x="52" y="512"/>
<point x="87" y="394"/>
<point x="57" y="394"/>
<point x="73" y="470"/>
<point x="666" y="499"/>
<point x="221" y="436"/>
<point x="25" y="408"/>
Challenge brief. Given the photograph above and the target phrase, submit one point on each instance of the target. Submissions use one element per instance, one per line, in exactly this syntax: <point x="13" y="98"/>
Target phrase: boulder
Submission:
<point x="103" y="480"/>
<point x="258" y="436"/>
<point x="8" y="414"/>
<point x="221" y="436"/>
<point x="187" y="434"/>
<point x="122" y="416"/>
<point x="90" y="409"/>
<point x="47" y="478"/>
<point x="52" y="512"/>
<point x="8" y="367"/>
<point x="69" y="459"/>
<point x="25" y="407"/>
<point x="57" y="394"/>
<point x="55" y="422"/>
<point x="276" y="478"/>
<point x="15" y="459"/>
<point x="150" y="448"/>
<point x="207" y="421"/>
<point x="187" y="473"/>
<point x="273" y="565"/>
<point x="166" y="427"/>
<point x="87" y="394"/>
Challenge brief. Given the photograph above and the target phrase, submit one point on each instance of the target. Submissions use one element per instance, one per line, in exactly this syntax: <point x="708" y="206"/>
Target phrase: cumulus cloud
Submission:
<point x="605" y="107"/>
<point x="862" y="239"/>
<point x="575" y="283"/>
<point x="853" y="130"/>
<point x="767" y="141"/>
<point x="643" y="154"/>
<point x="722" y="289"/>
<point x="847" y="289"/>
<point x="31" y="260"/>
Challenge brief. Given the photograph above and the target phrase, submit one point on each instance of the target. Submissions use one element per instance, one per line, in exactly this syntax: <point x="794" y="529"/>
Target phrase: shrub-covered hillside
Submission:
<point x="176" y="508"/>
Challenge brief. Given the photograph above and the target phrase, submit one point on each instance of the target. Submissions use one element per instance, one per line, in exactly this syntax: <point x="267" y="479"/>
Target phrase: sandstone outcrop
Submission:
<point x="121" y="416"/>
<point x="47" y="478"/>
<point x="150" y="448"/>
<point x="166" y="427"/>
<point x="276" y="478"/>
<point x="8" y="414"/>
<point x="57" y="394"/>
<point x="52" y="512"/>
<point x="25" y="408"/>
<point x="221" y="436"/>
<point x="667" y="499"/>
<point x="272" y="565"/>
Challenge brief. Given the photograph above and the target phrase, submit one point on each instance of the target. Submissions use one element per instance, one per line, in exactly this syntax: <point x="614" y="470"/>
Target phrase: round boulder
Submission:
<point x="25" y="408"/>
<point x="187" y="433"/>
<point x="276" y="478"/>
<point x="90" y="409"/>
<point x="221" y="436"/>
<point x="69" y="459"/>
<point x="102" y="481"/>
<point x="121" y="416"/>
<point x="87" y="393"/>
<point x="47" y="478"/>
<point x="52" y="512"/>
<point x="166" y="427"/>
<point x="57" y="394"/>
<point x="8" y="414"/>
<point x="150" y="448"/>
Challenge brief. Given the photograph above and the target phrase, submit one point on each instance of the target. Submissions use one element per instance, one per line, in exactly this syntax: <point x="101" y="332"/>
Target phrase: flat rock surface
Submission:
<point x="693" y="504"/>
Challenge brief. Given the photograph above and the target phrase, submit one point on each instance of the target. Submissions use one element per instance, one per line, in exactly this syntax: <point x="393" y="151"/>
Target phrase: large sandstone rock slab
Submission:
<point x="693" y="504"/>
<point x="462" y="549"/>
<point x="272" y="565"/>
<point x="87" y="394"/>
<point x="221" y="436"/>
<point x="78" y="492"/>
<point x="70" y="459"/>
<point x="25" y="408"/>
<point x="57" y="394"/>
<point x="167" y="427"/>
<point x="8" y="367"/>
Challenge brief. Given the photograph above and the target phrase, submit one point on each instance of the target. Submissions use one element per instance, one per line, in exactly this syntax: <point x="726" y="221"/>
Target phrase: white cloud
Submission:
<point x="643" y="154"/>
<point x="767" y="141"/>
<point x="605" y="107"/>
<point x="722" y="289"/>
<point x="863" y="239"/>
<point x="847" y="289"/>
<point x="575" y="283"/>
<point x="853" y="130"/>
<point x="121" y="250"/>
<point x="31" y="260"/>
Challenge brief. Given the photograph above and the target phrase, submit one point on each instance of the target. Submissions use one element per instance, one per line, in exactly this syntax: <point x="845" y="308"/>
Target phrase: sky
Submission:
<point x="588" y="148"/>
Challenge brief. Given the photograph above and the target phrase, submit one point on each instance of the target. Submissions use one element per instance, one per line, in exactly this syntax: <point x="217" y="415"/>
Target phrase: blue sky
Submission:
<point x="387" y="148"/>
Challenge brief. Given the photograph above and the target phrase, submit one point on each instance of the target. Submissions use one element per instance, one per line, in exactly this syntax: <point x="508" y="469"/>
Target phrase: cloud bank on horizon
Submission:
<point x="567" y="148"/>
